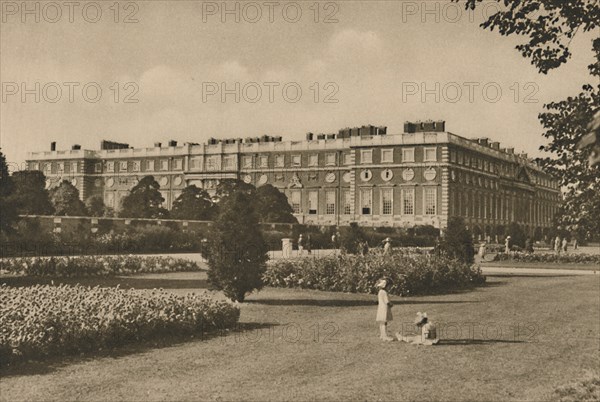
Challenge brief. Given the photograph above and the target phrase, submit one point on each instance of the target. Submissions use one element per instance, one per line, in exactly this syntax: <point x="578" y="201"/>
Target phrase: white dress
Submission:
<point x="384" y="311"/>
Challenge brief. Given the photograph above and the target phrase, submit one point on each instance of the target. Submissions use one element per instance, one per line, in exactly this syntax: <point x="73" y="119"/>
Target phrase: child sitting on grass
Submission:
<point x="427" y="332"/>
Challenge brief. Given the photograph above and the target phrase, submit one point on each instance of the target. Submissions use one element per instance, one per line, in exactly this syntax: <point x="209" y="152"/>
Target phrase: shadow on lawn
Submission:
<point x="123" y="282"/>
<point x="465" y="342"/>
<point x="53" y="363"/>
<point x="344" y="303"/>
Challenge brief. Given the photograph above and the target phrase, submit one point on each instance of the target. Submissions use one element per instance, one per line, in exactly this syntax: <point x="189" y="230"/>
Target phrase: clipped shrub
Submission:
<point x="410" y="273"/>
<point x="81" y="266"/>
<point x="38" y="321"/>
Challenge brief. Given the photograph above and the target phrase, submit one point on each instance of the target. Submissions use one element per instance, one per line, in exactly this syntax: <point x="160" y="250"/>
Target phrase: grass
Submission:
<point x="301" y="344"/>
<point x="541" y="265"/>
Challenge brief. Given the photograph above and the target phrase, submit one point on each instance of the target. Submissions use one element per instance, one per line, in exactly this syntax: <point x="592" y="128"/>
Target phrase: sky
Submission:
<point x="149" y="71"/>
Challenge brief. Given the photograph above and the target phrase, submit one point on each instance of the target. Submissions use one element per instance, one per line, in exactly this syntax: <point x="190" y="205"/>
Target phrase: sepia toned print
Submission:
<point x="253" y="200"/>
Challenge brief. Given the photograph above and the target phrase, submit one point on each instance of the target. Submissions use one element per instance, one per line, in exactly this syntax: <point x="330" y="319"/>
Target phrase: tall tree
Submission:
<point x="30" y="196"/>
<point x="8" y="212"/>
<point x="65" y="199"/>
<point x="144" y="201"/>
<point x="550" y="26"/>
<point x="226" y="187"/>
<point x="95" y="206"/>
<point x="457" y="241"/>
<point x="236" y="252"/>
<point x="272" y="205"/>
<point x="193" y="203"/>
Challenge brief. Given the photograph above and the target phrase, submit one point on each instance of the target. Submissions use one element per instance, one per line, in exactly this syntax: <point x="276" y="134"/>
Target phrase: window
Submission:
<point x="313" y="160"/>
<point x="460" y="158"/>
<point x="452" y="156"/>
<point x="109" y="199"/>
<point x="135" y="166"/>
<point x="35" y="166"/>
<point x="74" y="167"/>
<point x="149" y="165"/>
<point x="430" y="196"/>
<point x="229" y="162"/>
<point x="408" y="201"/>
<point x="295" y="199"/>
<point x="296" y="161"/>
<point x="408" y="155"/>
<point x="330" y="159"/>
<point x="313" y="202"/>
<point x="213" y="162"/>
<point x="387" y="200"/>
<point x="196" y="163"/>
<point x="110" y="167"/>
<point x="123" y="166"/>
<point x="164" y="164"/>
<point x="330" y="202"/>
<point x="279" y="161"/>
<point x="61" y="167"/>
<point x="348" y="159"/>
<point x="177" y="164"/>
<point x="264" y="161"/>
<point x="247" y="162"/>
<point x="366" y="201"/>
<point x="430" y="154"/>
<point x="366" y="156"/>
<point x="387" y="156"/>
<point x="347" y="202"/>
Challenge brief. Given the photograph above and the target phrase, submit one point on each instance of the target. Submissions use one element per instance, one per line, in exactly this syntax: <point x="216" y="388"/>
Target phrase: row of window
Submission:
<point x="386" y="199"/>
<point x="148" y="165"/>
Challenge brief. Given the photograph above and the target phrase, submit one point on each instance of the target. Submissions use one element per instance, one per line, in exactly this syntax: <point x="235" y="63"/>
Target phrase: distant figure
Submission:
<point x="557" y="244"/>
<point x="334" y="240"/>
<point x="427" y="332"/>
<point x="565" y="243"/>
<point x="300" y="245"/>
<point x="384" y="309"/>
<point x="507" y="245"/>
<point x="308" y="244"/>
<point x="529" y="245"/>
<point x="387" y="245"/>
<point x="575" y="243"/>
<point x="482" y="249"/>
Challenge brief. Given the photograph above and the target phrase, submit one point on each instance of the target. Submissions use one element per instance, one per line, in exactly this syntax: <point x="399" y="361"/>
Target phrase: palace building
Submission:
<point x="422" y="176"/>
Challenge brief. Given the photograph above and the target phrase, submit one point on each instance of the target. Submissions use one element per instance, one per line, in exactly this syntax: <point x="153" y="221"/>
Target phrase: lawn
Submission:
<point x="518" y="338"/>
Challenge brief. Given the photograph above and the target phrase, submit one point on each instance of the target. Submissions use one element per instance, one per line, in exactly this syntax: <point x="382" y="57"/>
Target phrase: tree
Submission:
<point x="550" y="26"/>
<point x="236" y="250"/>
<point x="351" y="237"/>
<point x="95" y="206"/>
<point x="517" y="234"/>
<point x="226" y="187"/>
<point x="193" y="203"/>
<point x="66" y="202"/>
<point x="457" y="241"/>
<point x="30" y="196"/>
<point x="144" y="201"/>
<point x="272" y="205"/>
<point x="8" y="211"/>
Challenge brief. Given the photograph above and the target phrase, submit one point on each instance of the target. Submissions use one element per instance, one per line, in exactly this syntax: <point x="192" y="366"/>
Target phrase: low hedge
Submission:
<point x="549" y="258"/>
<point x="39" y="321"/>
<point x="410" y="273"/>
<point x="82" y="266"/>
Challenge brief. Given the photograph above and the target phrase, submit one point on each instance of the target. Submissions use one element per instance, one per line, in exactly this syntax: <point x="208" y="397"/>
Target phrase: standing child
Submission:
<point x="384" y="310"/>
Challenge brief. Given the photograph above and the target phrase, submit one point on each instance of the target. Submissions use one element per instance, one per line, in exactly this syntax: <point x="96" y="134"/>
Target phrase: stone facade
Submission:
<point x="364" y="175"/>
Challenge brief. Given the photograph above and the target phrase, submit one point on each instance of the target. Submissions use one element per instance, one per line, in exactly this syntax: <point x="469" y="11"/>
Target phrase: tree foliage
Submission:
<point x="550" y="26"/>
<point x="236" y="252"/>
<point x="65" y="200"/>
<point x="8" y="212"/>
<point x="95" y="206"/>
<point x="272" y="205"/>
<point x="457" y="241"/>
<point x="30" y="196"/>
<point x="194" y="203"/>
<point x="144" y="201"/>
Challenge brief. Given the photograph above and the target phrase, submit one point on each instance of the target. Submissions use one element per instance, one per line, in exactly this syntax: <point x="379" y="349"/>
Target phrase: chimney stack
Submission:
<point x="172" y="143"/>
<point x="53" y="146"/>
<point x="76" y="147"/>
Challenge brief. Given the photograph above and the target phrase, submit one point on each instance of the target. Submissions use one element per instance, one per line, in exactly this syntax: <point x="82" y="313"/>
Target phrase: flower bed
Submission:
<point x="549" y="258"/>
<point x="38" y="321"/>
<point x="60" y="267"/>
<point x="414" y="274"/>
